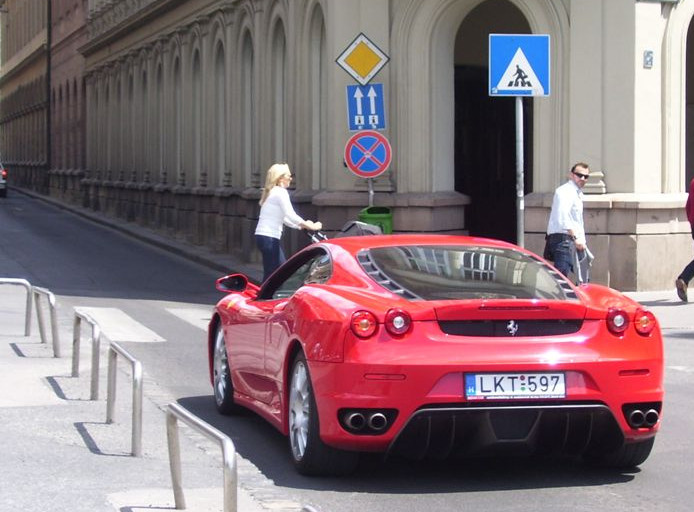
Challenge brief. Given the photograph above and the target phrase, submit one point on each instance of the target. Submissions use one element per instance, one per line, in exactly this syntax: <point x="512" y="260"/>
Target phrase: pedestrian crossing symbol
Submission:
<point x="518" y="65"/>
<point x="520" y="77"/>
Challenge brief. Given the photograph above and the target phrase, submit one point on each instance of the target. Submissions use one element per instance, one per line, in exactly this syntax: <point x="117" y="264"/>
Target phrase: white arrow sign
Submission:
<point x="364" y="114"/>
<point x="358" y="96"/>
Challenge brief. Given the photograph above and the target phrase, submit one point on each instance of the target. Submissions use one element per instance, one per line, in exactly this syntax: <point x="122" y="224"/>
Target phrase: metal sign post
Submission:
<point x="519" y="66"/>
<point x="520" y="178"/>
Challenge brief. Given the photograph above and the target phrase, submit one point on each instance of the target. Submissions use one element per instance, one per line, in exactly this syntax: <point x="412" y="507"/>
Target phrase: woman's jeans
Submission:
<point x="273" y="255"/>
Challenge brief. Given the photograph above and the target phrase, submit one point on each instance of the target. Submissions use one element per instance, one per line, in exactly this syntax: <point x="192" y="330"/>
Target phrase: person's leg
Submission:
<point x="270" y="249"/>
<point x="563" y="257"/>
<point x="682" y="282"/>
<point x="688" y="272"/>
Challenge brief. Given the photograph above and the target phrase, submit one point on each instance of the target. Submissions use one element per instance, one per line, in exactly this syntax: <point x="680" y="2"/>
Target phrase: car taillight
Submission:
<point x="4" y="173"/>
<point x="398" y="322"/>
<point x="644" y="322"/>
<point x="617" y="321"/>
<point x="364" y="324"/>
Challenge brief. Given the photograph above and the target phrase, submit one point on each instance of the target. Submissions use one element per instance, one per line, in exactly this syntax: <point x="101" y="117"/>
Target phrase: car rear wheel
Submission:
<point x="311" y="456"/>
<point x="628" y="456"/>
<point x="223" y="387"/>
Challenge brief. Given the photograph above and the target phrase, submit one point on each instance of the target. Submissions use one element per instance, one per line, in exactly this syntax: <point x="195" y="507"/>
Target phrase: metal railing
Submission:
<point x="136" y="433"/>
<point x="175" y="412"/>
<point x="96" y="344"/>
<point x="26" y="284"/>
<point x="38" y="292"/>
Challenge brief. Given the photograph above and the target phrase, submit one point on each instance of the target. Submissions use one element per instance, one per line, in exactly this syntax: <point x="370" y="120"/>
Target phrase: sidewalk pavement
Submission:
<point x="60" y="455"/>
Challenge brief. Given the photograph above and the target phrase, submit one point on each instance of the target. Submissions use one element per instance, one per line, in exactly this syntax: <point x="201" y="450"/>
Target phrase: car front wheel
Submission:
<point x="223" y="387"/>
<point x="310" y="455"/>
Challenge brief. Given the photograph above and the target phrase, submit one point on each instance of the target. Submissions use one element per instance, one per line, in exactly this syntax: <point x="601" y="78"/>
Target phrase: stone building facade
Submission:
<point x="68" y="99"/>
<point x="188" y="102"/>
<point x="24" y="89"/>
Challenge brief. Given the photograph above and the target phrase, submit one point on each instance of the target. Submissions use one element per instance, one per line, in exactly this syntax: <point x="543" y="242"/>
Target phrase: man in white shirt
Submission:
<point x="565" y="232"/>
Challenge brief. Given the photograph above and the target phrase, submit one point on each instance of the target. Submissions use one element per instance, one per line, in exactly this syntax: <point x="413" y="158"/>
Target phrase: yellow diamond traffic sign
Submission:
<point x="362" y="59"/>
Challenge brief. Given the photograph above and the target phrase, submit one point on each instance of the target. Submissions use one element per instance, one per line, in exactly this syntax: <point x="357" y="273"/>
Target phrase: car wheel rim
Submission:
<point x="299" y="410"/>
<point x="221" y="368"/>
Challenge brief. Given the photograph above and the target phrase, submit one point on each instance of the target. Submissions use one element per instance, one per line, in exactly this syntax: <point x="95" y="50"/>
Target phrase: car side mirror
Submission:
<point x="232" y="283"/>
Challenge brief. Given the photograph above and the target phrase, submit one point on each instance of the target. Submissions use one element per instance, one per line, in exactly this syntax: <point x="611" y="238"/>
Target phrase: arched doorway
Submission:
<point x="485" y="134"/>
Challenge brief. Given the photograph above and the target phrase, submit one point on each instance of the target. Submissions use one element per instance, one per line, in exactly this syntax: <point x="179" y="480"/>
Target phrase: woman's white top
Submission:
<point x="276" y="211"/>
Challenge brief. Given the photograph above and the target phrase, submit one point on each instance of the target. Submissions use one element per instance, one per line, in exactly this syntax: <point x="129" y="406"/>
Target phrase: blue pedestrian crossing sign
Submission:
<point x="365" y="110"/>
<point x="519" y="65"/>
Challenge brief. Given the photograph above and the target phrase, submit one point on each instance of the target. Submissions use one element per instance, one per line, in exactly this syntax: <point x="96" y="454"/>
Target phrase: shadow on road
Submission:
<point x="268" y="450"/>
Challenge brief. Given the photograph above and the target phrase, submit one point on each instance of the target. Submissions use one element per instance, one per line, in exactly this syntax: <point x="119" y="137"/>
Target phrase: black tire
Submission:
<point x="310" y="455"/>
<point x="629" y="455"/>
<point x="222" y="386"/>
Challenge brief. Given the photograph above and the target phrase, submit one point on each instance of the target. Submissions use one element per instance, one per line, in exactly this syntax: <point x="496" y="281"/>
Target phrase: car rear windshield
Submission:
<point x="463" y="272"/>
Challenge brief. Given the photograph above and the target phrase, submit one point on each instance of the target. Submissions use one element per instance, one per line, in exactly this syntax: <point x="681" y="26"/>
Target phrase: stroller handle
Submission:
<point x="316" y="236"/>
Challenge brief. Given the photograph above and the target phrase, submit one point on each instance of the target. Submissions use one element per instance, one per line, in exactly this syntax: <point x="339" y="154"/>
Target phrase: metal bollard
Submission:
<point x="136" y="433"/>
<point x="55" y="335"/>
<point x="27" y="315"/>
<point x="96" y="343"/>
<point x="175" y="412"/>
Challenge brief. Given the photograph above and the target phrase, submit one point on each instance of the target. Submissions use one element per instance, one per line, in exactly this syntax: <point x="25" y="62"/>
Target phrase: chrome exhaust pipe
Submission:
<point x="378" y="421"/>
<point x="355" y="420"/>
<point x="651" y="417"/>
<point x="637" y="418"/>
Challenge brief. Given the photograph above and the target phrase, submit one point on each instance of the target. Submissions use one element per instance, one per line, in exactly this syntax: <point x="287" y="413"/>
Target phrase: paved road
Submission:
<point x="171" y="300"/>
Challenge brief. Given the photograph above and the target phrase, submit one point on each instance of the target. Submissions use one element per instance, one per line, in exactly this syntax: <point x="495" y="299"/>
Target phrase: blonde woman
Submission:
<point x="276" y="211"/>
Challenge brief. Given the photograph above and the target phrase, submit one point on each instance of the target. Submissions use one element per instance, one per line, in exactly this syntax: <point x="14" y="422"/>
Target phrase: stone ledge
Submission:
<point x="614" y="200"/>
<point x="361" y="199"/>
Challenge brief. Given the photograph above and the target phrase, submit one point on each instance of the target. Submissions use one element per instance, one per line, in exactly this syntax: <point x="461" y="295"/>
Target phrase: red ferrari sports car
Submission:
<point x="436" y="346"/>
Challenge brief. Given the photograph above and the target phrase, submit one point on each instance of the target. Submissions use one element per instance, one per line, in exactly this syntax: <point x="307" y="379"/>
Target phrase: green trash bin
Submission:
<point x="380" y="216"/>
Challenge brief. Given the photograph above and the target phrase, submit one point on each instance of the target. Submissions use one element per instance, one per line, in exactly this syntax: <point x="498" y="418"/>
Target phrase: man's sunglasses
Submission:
<point x="580" y="175"/>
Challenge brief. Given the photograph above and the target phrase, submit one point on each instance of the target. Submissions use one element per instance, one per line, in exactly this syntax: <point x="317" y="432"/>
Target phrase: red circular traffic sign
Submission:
<point x="368" y="153"/>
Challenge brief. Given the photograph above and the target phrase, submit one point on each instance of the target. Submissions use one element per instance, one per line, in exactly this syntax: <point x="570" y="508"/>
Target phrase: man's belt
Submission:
<point x="559" y="237"/>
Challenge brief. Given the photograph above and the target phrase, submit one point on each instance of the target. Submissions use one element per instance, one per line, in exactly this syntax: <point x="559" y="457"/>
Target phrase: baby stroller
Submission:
<point x="357" y="228"/>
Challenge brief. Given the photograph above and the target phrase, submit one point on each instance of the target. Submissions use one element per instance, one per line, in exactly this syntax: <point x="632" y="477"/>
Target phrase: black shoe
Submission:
<point x="681" y="289"/>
